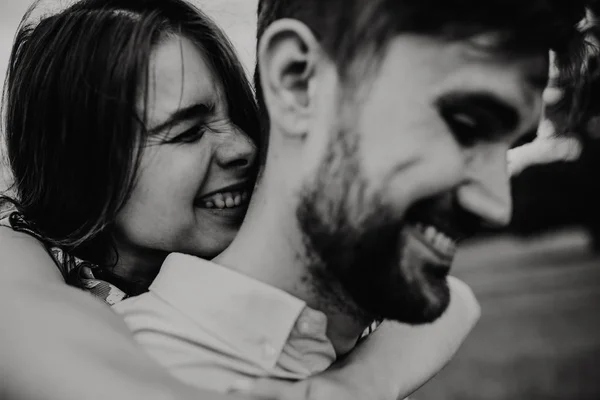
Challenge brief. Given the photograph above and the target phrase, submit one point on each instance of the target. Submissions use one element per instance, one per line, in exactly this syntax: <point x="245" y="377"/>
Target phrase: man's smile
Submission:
<point x="438" y="242"/>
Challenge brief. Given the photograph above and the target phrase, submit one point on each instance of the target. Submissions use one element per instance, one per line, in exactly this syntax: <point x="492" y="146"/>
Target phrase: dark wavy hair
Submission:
<point x="73" y="137"/>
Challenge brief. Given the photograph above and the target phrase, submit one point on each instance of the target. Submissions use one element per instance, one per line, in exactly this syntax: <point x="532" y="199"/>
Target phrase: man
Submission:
<point x="389" y="124"/>
<point x="55" y="335"/>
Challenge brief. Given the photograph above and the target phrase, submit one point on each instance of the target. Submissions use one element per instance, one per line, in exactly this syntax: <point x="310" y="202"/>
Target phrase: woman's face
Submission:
<point x="196" y="171"/>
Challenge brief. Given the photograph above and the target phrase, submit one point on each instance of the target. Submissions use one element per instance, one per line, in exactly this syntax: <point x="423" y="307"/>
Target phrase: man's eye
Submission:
<point x="464" y="127"/>
<point x="477" y="117"/>
<point x="191" y="135"/>
<point x="471" y="127"/>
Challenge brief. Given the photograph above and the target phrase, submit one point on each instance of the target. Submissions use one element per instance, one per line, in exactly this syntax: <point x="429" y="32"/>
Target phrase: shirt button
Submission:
<point x="304" y="327"/>
<point x="310" y="323"/>
<point x="268" y="350"/>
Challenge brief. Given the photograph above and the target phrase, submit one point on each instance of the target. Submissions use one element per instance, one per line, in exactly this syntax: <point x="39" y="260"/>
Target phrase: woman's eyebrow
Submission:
<point x="195" y="111"/>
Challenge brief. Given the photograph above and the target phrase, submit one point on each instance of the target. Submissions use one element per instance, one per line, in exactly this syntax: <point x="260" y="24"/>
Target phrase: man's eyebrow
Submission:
<point x="196" y="111"/>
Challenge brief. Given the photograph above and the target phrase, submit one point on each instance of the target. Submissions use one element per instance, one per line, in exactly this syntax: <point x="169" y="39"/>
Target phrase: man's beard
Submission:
<point x="361" y="257"/>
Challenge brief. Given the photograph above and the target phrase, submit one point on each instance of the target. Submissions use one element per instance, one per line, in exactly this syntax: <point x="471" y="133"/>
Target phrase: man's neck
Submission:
<point x="269" y="248"/>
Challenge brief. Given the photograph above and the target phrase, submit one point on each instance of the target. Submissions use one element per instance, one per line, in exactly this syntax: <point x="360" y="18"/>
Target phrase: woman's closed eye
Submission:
<point x="191" y="135"/>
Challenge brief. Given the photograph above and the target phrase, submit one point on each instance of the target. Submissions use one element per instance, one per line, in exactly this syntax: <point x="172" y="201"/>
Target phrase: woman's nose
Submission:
<point x="238" y="151"/>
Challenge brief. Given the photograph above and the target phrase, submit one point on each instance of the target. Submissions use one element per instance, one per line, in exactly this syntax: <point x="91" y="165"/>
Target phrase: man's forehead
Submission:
<point x="426" y="69"/>
<point x="484" y="50"/>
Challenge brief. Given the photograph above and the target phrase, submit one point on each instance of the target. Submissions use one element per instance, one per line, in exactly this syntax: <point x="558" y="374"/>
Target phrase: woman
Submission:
<point x="118" y="162"/>
<point x="124" y="210"/>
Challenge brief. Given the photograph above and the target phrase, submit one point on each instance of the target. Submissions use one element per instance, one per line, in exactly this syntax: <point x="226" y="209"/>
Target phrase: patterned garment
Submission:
<point x="76" y="272"/>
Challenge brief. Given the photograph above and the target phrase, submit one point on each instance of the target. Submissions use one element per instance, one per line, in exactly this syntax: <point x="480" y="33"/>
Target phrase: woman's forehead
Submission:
<point x="178" y="76"/>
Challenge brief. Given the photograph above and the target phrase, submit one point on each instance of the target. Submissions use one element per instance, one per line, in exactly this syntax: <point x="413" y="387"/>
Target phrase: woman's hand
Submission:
<point x="547" y="147"/>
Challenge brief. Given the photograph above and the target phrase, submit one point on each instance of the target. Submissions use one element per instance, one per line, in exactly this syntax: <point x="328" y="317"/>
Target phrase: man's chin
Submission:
<point x="418" y="279"/>
<point x="430" y="312"/>
<point x="410" y="287"/>
<point x="425" y="305"/>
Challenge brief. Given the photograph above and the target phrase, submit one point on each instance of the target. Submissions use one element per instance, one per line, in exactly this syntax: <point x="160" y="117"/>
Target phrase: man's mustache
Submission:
<point x="445" y="213"/>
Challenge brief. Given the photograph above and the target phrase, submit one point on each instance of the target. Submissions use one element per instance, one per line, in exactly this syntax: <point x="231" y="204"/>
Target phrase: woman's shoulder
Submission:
<point x="20" y="225"/>
<point x="5" y="213"/>
<point x="24" y="254"/>
<point x="23" y="257"/>
<point x="21" y="236"/>
<point x="17" y="222"/>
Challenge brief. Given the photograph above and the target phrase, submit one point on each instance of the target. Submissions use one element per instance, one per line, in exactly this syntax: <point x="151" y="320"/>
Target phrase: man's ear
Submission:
<point x="287" y="56"/>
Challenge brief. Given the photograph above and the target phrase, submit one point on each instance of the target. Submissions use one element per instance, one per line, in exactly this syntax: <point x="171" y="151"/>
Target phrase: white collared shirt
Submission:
<point x="216" y="329"/>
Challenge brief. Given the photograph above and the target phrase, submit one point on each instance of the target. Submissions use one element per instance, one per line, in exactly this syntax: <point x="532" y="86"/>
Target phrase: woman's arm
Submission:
<point x="394" y="361"/>
<point x="398" y="359"/>
<point x="60" y="343"/>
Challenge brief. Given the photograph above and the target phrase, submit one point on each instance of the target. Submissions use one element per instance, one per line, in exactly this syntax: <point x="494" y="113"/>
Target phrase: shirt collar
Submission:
<point x="253" y="318"/>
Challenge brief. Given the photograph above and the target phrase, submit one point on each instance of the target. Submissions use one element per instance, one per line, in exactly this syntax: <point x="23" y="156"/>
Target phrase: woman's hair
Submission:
<point x="73" y="134"/>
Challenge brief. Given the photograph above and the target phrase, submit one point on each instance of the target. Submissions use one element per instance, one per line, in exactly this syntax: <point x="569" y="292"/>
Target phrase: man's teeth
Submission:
<point x="437" y="239"/>
<point x="225" y="200"/>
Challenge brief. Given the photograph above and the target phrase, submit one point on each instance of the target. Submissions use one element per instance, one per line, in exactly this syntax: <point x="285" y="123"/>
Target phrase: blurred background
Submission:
<point x="237" y="17"/>
<point x="538" y="282"/>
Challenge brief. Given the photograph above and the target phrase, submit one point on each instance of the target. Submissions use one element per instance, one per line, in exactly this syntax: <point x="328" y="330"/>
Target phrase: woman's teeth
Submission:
<point x="225" y="200"/>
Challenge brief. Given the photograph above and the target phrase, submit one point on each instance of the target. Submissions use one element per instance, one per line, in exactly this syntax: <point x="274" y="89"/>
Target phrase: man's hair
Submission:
<point x="74" y="136"/>
<point x="352" y="31"/>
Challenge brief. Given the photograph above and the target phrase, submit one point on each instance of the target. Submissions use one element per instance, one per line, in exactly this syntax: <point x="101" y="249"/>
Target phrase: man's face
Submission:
<point x="408" y="164"/>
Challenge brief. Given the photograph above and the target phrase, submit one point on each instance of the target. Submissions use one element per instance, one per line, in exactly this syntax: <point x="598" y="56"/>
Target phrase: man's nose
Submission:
<point x="486" y="191"/>
<point x="236" y="151"/>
